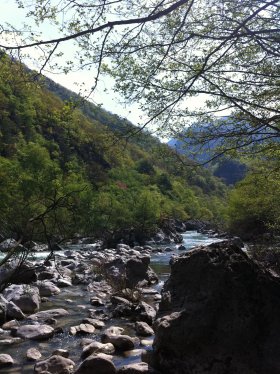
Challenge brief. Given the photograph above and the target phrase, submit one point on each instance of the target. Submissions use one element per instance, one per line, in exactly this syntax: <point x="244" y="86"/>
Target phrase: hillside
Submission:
<point x="230" y="170"/>
<point x="65" y="173"/>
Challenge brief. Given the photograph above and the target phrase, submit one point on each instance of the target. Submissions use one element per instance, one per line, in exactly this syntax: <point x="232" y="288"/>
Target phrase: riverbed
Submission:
<point x="75" y="300"/>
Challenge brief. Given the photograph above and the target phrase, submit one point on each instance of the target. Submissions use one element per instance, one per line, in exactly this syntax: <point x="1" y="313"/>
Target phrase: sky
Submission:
<point x="10" y="13"/>
<point x="110" y="101"/>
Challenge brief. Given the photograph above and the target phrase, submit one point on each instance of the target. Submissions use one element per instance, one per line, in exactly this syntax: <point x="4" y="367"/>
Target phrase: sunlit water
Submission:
<point x="76" y="300"/>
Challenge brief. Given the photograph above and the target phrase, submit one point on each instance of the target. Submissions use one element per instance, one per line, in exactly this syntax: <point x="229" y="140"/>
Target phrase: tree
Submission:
<point x="164" y="53"/>
<point x="254" y="204"/>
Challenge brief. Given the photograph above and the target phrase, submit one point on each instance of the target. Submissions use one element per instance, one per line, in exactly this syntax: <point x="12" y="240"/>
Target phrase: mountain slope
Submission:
<point x="63" y="173"/>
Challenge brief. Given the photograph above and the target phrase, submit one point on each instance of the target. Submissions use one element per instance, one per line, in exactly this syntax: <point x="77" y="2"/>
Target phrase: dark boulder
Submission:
<point x="219" y="314"/>
<point x="196" y="224"/>
<point x="138" y="271"/>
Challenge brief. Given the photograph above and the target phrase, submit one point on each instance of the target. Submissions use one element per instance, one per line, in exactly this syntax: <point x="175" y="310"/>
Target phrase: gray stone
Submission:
<point x="63" y="282"/>
<point x="143" y="329"/>
<point x="94" y="322"/>
<point x="138" y="368"/>
<point x="55" y="365"/>
<point x="47" y="288"/>
<point x="47" y="314"/>
<point x="26" y="297"/>
<point x="114" y="330"/>
<point x="10" y="341"/>
<point x="35" y="332"/>
<point x="13" y="311"/>
<point x="145" y="312"/>
<point x="7" y="244"/>
<point x="13" y="324"/>
<point x="33" y="354"/>
<point x="120" y="342"/>
<point x="61" y="352"/>
<point x="96" y="301"/>
<point x="97" y="347"/>
<point x="96" y="364"/>
<point x="83" y="328"/>
<point x="5" y="360"/>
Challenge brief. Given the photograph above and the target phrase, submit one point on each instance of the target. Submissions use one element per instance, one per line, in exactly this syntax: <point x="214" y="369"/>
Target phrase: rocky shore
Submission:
<point x="112" y="286"/>
<point x="100" y="311"/>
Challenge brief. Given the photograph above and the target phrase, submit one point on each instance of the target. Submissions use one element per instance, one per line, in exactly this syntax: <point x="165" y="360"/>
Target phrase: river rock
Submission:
<point x="143" y="329"/>
<point x="48" y="274"/>
<point x="47" y="288"/>
<point x="13" y="311"/>
<point x="61" y="352"/>
<point x="138" y="272"/>
<point x="97" y="347"/>
<point x="120" y="342"/>
<point x="3" y="309"/>
<point x="116" y="300"/>
<point x="96" y="364"/>
<point x="33" y="354"/>
<point x="83" y="328"/>
<point x="96" y="301"/>
<point x="219" y="314"/>
<point x="48" y="314"/>
<point x="5" y="360"/>
<point x="138" y="368"/>
<point x="181" y="247"/>
<point x="17" y="273"/>
<point x="10" y="341"/>
<point x="7" y="244"/>
<point x="35" y="332"/>
<point x="94" y="322"/>
<point x="114" y="330"/>
<point x="11" y="325"/>
<point x="26" y="297"/>
<point x="145" y="312"/>
<point x="63" y="282"/>
<point x="55" y="365"/>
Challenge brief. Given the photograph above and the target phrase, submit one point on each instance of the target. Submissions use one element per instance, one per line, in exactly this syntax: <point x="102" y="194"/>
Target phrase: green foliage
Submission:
<point x="61" y="173"/>
<point x="254" y="203"/>
<point x="145" y="167"/>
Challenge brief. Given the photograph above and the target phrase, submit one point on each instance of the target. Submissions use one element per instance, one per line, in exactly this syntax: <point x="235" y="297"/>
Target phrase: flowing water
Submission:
<point x="76" y="300"/>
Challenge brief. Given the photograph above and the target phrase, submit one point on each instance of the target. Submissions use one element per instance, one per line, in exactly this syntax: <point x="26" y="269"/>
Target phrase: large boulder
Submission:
<point x="26" y="297"/>
<point x="219" y="314"/>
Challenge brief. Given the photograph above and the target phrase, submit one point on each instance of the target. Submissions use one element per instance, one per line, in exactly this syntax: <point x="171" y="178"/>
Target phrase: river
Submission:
<point x="76" y="300"/>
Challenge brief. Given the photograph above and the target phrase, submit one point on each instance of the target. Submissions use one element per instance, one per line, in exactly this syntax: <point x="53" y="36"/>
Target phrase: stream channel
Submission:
<point x="75" y="300"/>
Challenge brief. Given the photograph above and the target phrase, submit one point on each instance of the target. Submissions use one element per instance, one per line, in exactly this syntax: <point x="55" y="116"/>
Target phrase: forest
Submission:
<point x="65" y="174"/>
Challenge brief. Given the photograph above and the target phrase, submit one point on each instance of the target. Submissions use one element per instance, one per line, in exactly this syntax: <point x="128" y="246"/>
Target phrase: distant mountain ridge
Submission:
<point x="229" y="170"/>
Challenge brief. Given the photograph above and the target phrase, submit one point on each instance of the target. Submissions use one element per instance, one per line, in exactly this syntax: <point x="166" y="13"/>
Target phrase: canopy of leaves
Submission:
<point x="163" y="54"/>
